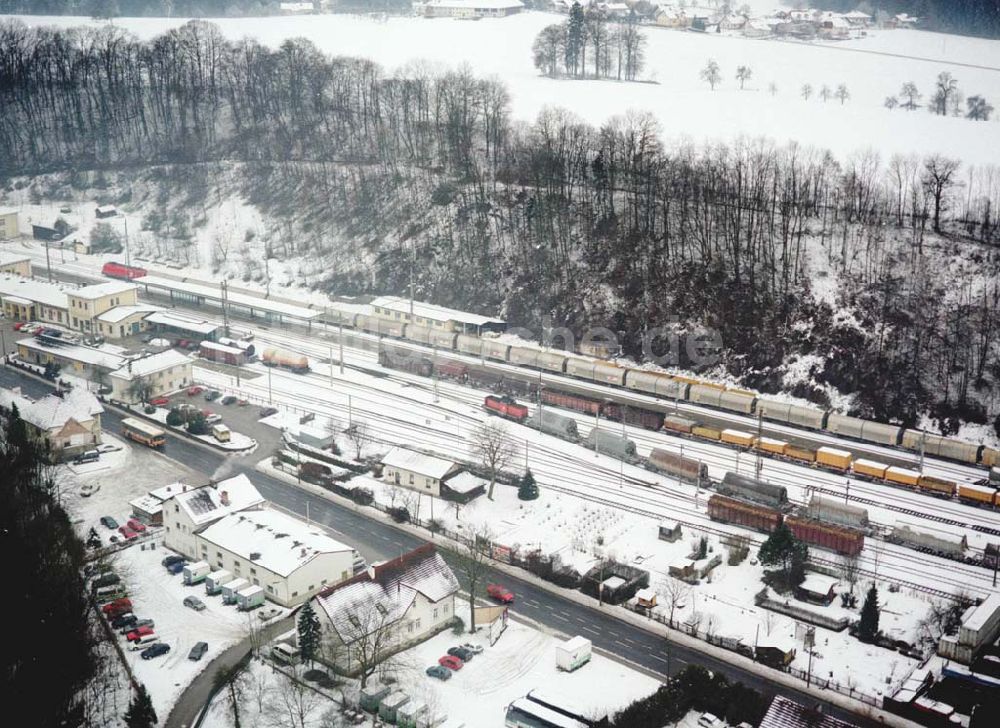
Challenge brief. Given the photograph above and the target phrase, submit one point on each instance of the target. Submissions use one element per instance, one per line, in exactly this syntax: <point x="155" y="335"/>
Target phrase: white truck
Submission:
<point x="573" y="653"/>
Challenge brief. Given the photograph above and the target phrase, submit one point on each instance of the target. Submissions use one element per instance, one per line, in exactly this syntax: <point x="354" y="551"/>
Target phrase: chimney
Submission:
<point x="302" y="553"/>
<point x="224" y="497"/>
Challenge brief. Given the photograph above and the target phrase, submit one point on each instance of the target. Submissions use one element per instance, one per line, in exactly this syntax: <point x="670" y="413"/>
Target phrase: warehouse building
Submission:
<point x="15" y="264"/>
<point x="472" y="8"/>
<point x="67" y="422"/>
<point x="396" y="309"/>
<point x="288" y="558"/>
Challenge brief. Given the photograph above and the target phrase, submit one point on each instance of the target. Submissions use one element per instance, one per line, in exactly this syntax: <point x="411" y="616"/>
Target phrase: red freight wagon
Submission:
<point x="117" y="270"/>
<point x="222" y="353"/>
<point x="729" y="510"/>
<point x="642" y="417"/>
<point x="826" y="535"/>
<point x="506" y="407"/>
<point x="580" y="404"/>
<point x="453" y="370"/>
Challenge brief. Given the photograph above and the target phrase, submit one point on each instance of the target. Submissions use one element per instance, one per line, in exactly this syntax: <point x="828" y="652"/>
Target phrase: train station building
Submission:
<point x="397" y="309"/>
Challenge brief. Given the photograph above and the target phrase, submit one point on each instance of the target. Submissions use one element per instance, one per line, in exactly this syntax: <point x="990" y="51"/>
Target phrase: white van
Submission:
<point x="221" y="433"/>
<point x="143" y="642"/>
<point x="285" y="653"/>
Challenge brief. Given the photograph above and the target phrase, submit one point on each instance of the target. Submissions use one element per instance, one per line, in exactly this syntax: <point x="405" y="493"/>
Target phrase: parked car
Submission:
<point x="107" y="447"/>
<point x="228" y="399"/>
<point x="195" y="390"/>
<point x="145" y="623"/>
<point x="118" y="605"/>
<point x="212" y="419"/>
<point x="160" y="401"/>
<point x="171" y="559"/>
<point x="500" y="593"/>
<point x="474" y="649"/>
<point x="212" y="395"/>
<point x="242" y="403"/>
<point x="198" y="651"/>
<point x="88" y="489"/>
<point x="106" y="579"/>
<point x="109" y="523"/>
<point x="156" y="650"/>
<point x="124" y="621"/>
<point x="194" y="603"/>
<point x="451" y="662"/>
<point x="268" y="411"/>
<point x="707" y="720"/>
<point x="177" y="567"/>
<point x="461" y="653"/>
<point x="90" y="456"/>
<point x="138" y="632"/>
<point x="128" y="533"/>
<point x="20" y="325"/>
<point x="136" y="525"/>
<point x="439" y="672"/>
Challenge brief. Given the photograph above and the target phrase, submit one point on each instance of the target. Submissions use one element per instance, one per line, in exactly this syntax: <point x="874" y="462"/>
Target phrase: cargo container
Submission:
<point x="834" y="511"/>
<point x="902" y="476"/>
<point x="610" y="443"/>
<point x="759" y="491"/>
<point x="940" y="486"/>
<point x="298" y="363"/>
<point x="676" y="423"/>
<point x="827" y="536"/>
<point x="709" y="433"/>
<point x="554" y="423"/>
<point x="230" y="590"/>
<point x="769" y="444"/>
<point x="195" y="573"/>
<point x="728" y="510"/>
<point x="869" y="468"/>
<point x="215" y="580"/>
<point x="573" y="653"/>
<point x="249" y="598"/>
<point x="800" y="453"/>
<point x="834" y="458"/>
<point x="678" y="466"/>
<point x="737" y="437"/>
<point x="982" y="495"/>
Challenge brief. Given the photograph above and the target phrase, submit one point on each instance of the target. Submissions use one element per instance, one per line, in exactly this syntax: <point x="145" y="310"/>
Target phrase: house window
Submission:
<point x="411" y="478"/>
<point x="295" y="594"/>
<point x="253" y="571"/>
<point x="256" y="583"/>
<point x="417" y="622"/>
<point x="435" y="613"/>
<point x="270" y="589"/>
<point x="311" y="587"/>
<point x="409" y="627"/>
<point x="446" y="608"/>
<point x="218" y="554"/>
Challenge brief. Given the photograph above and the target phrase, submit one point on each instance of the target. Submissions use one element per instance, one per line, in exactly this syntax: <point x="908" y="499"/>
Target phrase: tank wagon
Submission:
<point x="553" y="423"/>
<point x="832" y="511"/>
<point x="735" y="485"/>
<point x="933" y="543"/>
<point x="298" y="363"/>
<point x="827" y="535"/>
<point x="610" y="443"/>
<point x="678" y="465"/>
<point x="729" y="510"/>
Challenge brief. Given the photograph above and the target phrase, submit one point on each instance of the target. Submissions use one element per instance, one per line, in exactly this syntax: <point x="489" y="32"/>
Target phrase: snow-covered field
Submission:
<point x="682" y="103"/>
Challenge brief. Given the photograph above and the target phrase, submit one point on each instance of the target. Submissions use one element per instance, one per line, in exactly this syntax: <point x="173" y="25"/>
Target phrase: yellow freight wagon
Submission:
<point x="979" y="494"/>
<point x="938" y="485"/>
<point x="769" y="444"/>
<point x="800" y="453"/>
<point x="707" y="432"/>
<point x="834" y="458"/>
<point x="737" y="437"/>
<point x="902" y="476"/>
<point x="870" y="468"/>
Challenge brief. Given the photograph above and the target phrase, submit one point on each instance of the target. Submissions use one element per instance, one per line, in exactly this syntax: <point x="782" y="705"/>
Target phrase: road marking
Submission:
<point x="618" y="642"/>
<point x="592" y="631"/>
<point x="657" y="657"/>
<point x="559" y="616"/>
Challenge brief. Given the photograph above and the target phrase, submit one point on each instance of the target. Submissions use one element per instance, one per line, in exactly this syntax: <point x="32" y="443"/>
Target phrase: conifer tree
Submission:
<point x="528" y="489"/>
<point x="140" y="713"/>
<point x="868" y="625"/>
<point x="309" y="632"/>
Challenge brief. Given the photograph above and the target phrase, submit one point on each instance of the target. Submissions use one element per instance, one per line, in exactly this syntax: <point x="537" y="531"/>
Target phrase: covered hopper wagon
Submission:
<point x="610" y="443"/>
<point x="833" y="511"/>
<point x="735" y="485"/>
<point x="678" y="465"/>
<point x="553" y="423"/>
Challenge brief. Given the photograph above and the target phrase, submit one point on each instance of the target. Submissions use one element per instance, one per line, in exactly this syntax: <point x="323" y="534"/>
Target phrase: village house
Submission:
<point x="162" y="373"/>
<point x="8" y="224"/>
<point x="194" y="508"/>
<point x="25" y="299"/>
<point x="416" y="471"/>
<point x="15" y="264"/>
<point x="387" y="608"/>
<point x="87" y="303"/>
<point x="472" y="8"/>
<point x="67" y="422"/>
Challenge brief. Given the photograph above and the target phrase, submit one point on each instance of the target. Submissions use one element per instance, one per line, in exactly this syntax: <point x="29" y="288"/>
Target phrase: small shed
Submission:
<point x="463" y="487"/>
<point x="682" y="568"/>
<point x="148" y="509"/>
<point x="409" y="714"/>
<point x="215" y="580"/>
<point x="776" y="651"/>
<point x="371" y="696"/>
<point x="103" y="211"/>
<point x="646" y="598"/>
<point x="818" y="588"/>
<point x="670" y="532"/>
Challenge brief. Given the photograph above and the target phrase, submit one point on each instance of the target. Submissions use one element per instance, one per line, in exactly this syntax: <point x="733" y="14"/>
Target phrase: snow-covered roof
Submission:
<point x="786" y="713"/>
<point x="646" y="595"/>
<point x="977" y="620"/>
<point x="857" y="15"/>
<point x="243" y="300"/>
<point x="169" y="491"/>
<point x="147" y="504"/>
<point x="180" y="321"/>
<point x="383" y="594"/>
<point x="11" y="258"/>
<point x="279" y="543"/>
<point x="8" y="210"/>
<point x="100" y="290"/>
<point x="106" y="208"/>
<point x="819" y="583"/>
<point x="151" y="364"/>
<point x="84" y="354"/>
<point x="432" y="311"/>
<point x="476" y="4"/>
<point x="205" y="504"/>
<point x="119" y="313"/>
<point x="53" y="412"/>
<point x="47" y="294"/>
<point x="417" y="462"/>
<point x="465" y="482"/>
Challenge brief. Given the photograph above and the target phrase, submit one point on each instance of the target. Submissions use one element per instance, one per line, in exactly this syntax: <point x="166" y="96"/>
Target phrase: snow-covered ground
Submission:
<point x="523" y="659"/>
<point x="682" y="103"/>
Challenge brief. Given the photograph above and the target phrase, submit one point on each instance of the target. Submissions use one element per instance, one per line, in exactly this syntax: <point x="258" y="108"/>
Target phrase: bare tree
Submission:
<point x="945" y="87"/>
<point x="825" y="93"/>
<point x="292" y="704"/>
<point x="359" y="436"/>
<point x="233" y="680"/>
<point x="253" y="627"/>
<point x="979" y="108"/>
<point x="937" y="179"/>
<point x="891" y="102"/>
<point x="473" y="561"/>
<point x="772" y="88"/>
<point x="372" y="630"/>
<point x="850" y="567"/>
<point x="910" y="96"/>
<point x="806" y="91"/>
<point x="675" y="594"/>
<point x="842" y="93"/>
<point x="492" y="444"/>
<point x="743" y="74"/>
<point x="711" y="73"/>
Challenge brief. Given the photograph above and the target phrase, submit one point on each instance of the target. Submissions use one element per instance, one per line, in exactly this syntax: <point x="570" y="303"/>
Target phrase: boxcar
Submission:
<point x="826" y="535"/>
<point x="753" y="516"/>
<point x="864" y="429"/>
<point x="939" y="486"/>
<point x="902" y="476"/>
<point x="737" y="437"/>
<point x="496" y="349"/>
<point x="676" y="423"/>
<point x="739" y="486"/>
<point x="443" y="339"/>
<point x="610" y="443"/>
<point x="792" y="413"/>
<point x="991" y="458"/>
<point x="721" y="398"/>
<point x="469" y="344"/>
<point x="420" y="334"/>
<point x="642" y="417"/>
<point x="221" y="353"/>
<point x="522" y="356"/>
<point x="869" y="468"/>
<point x="609" y="373"/>
<point x="980" y="495"/>
<point x="677" y="465"/>
<point x="662" y="385"/>
<point x="941" y="446"/>
<point x="582" y="368"/>
<point x="554" y="423"/>
<point x="833" y="511"/>
<point x="551" y="361"/>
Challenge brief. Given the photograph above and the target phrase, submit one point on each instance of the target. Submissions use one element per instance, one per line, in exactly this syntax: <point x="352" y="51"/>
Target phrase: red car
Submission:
<point x="138" y="632"/>
<point x="118" y="605"/>
<point x="20" y="325"/>
<point x="136" y="525"/>
<point x="160" y="401"/>
<point x="451" y="662"/>
<point x="500" y="593"/>
<point x="194" y="391"/>
<point x="127" y="532"/>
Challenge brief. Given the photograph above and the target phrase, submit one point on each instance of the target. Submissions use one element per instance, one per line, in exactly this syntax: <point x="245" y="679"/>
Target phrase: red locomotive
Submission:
<point x="117" y="270"/>
<point x="506" y="407"/>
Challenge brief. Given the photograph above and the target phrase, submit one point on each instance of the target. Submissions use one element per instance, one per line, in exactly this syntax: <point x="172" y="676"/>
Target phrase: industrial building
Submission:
<point x="472" y="8"/>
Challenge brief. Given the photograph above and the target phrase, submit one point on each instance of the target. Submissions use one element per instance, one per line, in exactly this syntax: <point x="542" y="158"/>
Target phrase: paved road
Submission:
<point x="377" y="540"/>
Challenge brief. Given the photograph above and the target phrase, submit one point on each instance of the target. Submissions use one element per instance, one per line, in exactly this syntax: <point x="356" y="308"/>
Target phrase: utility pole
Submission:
<point x="270" y="401"/>
<point x="597" y="431"/>
<point x="331" y="367"/>
<point x="434" y="371"/>
<point x="759" y="467"/>
<point x="224" y="286"/>
<point x="128" y="260"/>
<point x="48" y="263"/>
<point x="413" y="265"/>
<point x="341" y="337"/>
<point x="923" y="446"/>
<point x="349" y="413"/>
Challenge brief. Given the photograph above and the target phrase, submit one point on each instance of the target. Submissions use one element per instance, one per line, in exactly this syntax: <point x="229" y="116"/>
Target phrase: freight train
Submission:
<point x="671" y="387"/>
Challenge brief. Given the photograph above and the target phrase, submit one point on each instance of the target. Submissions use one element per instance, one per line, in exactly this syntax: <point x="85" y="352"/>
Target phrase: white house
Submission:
<point x="416" y="471"/>
<point x="165" y="372"/>
<point x="290" y="559"/>
<point x="195" y="508"/>
<point x="69" y="422"/>
<point x="389" y="607"/>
